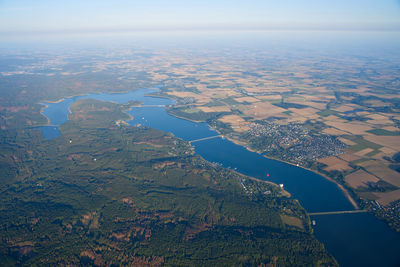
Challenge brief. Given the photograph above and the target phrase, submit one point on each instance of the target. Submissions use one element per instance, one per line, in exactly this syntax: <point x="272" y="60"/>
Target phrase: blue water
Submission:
<point x="50" y="132"/>
<point x="57" y="113"/>
<point x="314" y="193"/>
<point x="156" y="117"/>
<point x="358" y="239"/>
<point x="354" y="239"/>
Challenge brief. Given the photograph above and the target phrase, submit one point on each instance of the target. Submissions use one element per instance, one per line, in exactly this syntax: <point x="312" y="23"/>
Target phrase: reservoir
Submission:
<point x="353" y="239"/>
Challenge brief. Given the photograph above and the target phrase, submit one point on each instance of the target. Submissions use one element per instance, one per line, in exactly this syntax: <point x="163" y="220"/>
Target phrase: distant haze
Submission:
<point x="77" y="16"/>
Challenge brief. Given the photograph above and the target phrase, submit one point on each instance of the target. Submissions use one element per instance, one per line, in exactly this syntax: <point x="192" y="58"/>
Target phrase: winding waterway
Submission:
<point x="354" y="239"/>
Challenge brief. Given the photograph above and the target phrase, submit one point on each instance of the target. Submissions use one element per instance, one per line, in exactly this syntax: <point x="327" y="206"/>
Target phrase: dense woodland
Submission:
<point x="104" y="194"/>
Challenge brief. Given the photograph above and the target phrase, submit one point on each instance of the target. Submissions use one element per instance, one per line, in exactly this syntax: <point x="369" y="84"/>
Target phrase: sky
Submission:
<point x="58" y="16"/>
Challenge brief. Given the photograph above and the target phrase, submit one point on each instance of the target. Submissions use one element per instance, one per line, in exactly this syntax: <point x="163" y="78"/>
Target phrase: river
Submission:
<point x="354" y="239"/>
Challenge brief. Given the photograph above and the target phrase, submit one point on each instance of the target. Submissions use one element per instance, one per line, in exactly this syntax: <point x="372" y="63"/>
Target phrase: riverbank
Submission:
<point x="245" y="145"/>
<point x="239" y="143"/>
<point x="283" y="191"/>
<point x="313" y="192"/>
<point x="44" y="106"/>
<point x="45" y="103"/>
<point x="183" y="118"/>
<point x="341" y="187"/>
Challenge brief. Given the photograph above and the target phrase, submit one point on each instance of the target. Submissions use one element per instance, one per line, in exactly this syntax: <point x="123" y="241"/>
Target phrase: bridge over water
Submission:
<point x="205" y="138"/>
<point x="151" y="106"/>
<point x="336" y="212"/>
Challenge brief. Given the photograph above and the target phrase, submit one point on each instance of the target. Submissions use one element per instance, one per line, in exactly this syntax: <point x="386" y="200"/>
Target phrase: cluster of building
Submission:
<point x="293" y="142"/>
<point x="389" y="213"/>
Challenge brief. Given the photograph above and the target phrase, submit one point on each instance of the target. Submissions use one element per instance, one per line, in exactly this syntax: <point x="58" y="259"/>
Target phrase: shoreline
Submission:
<point x="44" y="106"/>
<point x="284" y="192"/>
<point x="45" y="103"/>
<point x="125" y="111"/>
<point x="340" y="186"/>
<point x="237" y="142"/>
<point x="183" y="118"/>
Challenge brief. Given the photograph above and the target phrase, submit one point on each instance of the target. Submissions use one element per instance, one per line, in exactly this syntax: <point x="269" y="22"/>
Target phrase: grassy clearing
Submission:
<point x="361" y="143"/>
<point x="327" y="112"/>
<point x="384" y="132"/>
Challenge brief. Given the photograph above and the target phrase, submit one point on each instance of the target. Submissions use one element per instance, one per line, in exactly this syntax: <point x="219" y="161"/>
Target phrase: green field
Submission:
<point x="383" y="132"/>
<point x="361" y="143"/>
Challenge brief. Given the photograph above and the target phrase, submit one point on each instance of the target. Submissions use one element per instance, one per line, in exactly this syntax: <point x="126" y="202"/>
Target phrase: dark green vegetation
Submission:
<point x="21" y="94"/>
<point x="103" y="193"/>
<point x="383" y="132"/>
<point x="193" y="114"/>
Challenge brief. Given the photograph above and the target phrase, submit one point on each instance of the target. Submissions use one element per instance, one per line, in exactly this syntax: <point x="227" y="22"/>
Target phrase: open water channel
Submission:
<point x="354" y="239"/>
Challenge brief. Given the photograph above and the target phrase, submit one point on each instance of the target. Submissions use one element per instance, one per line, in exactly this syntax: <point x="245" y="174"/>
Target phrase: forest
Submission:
<point x="107" y="194"/>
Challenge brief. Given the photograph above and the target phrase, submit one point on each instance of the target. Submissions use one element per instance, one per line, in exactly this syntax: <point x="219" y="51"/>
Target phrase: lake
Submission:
<point x="353" y="239"/>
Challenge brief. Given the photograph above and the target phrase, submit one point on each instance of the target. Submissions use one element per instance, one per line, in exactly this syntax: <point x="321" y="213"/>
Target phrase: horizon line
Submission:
<point x="394" y="28"/>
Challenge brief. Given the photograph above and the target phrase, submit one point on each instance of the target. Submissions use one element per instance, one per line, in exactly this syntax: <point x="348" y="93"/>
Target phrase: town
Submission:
<point x="292" y="142"/>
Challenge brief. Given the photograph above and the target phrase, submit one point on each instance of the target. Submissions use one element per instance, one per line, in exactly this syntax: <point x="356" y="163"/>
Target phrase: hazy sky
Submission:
<point x="101" y="15"/>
